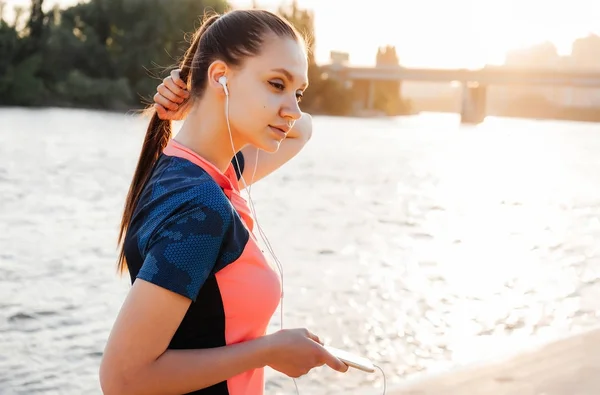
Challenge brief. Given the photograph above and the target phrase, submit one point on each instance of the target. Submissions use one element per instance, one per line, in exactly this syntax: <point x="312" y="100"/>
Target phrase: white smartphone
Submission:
<point x="352" y="360"/>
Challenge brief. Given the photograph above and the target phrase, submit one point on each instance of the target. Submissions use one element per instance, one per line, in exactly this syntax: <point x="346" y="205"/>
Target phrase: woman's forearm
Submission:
<point x="183" y="371"/>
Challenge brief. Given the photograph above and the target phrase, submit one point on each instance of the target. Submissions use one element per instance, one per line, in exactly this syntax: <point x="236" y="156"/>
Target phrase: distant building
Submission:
<point x="585" y="56"/>
<point x="339" y="58"/>
<point x="585" y="53"/>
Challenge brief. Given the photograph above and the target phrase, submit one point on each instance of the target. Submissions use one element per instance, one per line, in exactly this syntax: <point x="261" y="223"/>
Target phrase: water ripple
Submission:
<point x="431" y="250"/>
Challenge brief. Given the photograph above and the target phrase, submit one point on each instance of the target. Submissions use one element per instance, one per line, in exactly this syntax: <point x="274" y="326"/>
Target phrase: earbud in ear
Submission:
<point x="223" y="81"/>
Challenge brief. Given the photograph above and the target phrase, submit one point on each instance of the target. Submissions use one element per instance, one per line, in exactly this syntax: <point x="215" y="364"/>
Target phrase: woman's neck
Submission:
<point x="205" y="132"/>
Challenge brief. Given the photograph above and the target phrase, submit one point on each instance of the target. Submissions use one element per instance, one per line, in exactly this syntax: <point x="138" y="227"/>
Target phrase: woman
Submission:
<point x="203" y="294"/>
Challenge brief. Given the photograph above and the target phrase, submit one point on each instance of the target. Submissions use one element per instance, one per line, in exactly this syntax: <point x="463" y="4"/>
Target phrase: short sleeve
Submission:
<point x="181" y="254"/>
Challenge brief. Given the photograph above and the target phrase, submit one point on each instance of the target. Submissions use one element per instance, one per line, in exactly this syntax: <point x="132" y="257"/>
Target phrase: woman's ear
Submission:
<point x="217" y="74"/>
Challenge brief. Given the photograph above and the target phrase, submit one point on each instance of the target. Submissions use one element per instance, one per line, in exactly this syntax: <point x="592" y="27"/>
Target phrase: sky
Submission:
<point x="438" y="33"/>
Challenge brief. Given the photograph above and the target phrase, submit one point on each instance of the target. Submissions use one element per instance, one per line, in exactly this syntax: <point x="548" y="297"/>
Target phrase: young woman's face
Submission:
<point x="264" y="93"/>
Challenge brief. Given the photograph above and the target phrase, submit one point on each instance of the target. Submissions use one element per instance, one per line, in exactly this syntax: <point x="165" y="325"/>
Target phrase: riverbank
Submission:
<point x="565" y="367"/>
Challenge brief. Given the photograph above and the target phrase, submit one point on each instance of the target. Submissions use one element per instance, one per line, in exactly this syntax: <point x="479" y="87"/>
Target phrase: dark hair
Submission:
<point x="231" y="38"/>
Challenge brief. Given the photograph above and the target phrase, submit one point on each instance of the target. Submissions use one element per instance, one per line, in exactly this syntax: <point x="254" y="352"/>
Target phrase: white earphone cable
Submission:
<point x="252" y="207"/>
<point x="260" y="231"/>
<point x="253" y="210"/>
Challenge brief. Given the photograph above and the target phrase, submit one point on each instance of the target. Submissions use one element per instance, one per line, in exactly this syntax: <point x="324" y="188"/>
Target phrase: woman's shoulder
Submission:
<point x="176" y="191"/>
<point x="182" y="182"/>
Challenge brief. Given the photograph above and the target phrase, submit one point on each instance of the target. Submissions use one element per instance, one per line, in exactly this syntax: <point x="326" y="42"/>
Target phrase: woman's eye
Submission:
<point x="277" y="85"/>
<point x="280" y="87"/>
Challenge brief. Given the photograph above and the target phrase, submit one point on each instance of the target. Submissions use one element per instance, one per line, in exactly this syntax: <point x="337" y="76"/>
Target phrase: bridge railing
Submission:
<point x="495" y="75"/>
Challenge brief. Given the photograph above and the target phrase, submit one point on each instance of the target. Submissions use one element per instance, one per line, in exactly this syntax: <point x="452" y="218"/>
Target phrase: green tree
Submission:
<point x="111" y="54"/>
<point x="100" y="53"/>
<point x="133" y="39"/>
<point x="20" y="60"/>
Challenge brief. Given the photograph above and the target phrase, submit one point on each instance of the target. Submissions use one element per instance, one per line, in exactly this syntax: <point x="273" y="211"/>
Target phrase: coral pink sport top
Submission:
<point x="191" y="233"/>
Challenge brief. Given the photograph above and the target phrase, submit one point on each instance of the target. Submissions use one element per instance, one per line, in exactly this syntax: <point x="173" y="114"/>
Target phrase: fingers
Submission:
<point x="161" y="111"/>
<point x="177" y="80"/>
<point x="159" y="98"/>
<point x="171" y="92"/>
<point x="167" y="92"/>
<point x="334" y="363"/>
<point x="326" y="358"/>
<point x="176" y="87"/>
<point x="314" y="337"/>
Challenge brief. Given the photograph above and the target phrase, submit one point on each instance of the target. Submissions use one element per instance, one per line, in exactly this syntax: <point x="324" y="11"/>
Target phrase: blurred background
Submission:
<point x="446" y="211"/>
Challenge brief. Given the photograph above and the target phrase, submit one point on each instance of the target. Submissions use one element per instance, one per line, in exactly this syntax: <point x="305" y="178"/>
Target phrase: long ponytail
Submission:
<point x="158" y="134"/>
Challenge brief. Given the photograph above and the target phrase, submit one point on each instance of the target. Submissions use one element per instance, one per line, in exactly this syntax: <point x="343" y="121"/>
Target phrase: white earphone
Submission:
<point x="223" y="81"/>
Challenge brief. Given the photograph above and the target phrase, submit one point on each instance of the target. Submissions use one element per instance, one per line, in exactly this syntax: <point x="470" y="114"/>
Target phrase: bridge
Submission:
<point x="474" y="81"/>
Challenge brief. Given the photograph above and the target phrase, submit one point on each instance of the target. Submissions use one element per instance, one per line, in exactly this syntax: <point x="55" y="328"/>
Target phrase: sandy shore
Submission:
<point x="568" y="366"/>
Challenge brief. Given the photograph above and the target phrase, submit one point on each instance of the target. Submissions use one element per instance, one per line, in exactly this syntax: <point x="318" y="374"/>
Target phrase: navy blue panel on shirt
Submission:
<point x="242" y="163"/>
<point x="184" y="228"/>
<point x="182" y="253"/>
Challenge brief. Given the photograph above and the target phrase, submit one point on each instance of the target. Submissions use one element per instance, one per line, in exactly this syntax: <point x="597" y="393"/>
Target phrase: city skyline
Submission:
<point x="436" y="33"/>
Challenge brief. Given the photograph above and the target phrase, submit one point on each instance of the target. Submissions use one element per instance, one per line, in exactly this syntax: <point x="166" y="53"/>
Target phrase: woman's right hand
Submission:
<point x="171" y="98"/>
<point x="294" y="352"/>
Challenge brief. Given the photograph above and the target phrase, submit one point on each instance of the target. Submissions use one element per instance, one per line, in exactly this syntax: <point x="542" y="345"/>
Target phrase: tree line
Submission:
<point x="111" y="54"/>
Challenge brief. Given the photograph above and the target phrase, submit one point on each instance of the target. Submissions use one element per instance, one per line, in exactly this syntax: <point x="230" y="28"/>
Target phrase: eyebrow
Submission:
<point x="288" y="75"/>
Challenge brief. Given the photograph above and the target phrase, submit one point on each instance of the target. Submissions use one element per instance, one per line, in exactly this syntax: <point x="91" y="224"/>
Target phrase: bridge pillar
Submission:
<point x="371" y="95"/>
<point x="473" y="103"/>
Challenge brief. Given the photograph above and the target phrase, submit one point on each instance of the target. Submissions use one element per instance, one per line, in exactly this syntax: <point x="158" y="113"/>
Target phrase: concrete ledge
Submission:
<point x="569" y="366"/>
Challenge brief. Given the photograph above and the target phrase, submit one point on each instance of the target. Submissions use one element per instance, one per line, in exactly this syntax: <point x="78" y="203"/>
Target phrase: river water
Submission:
<point x="415" y="241"/>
